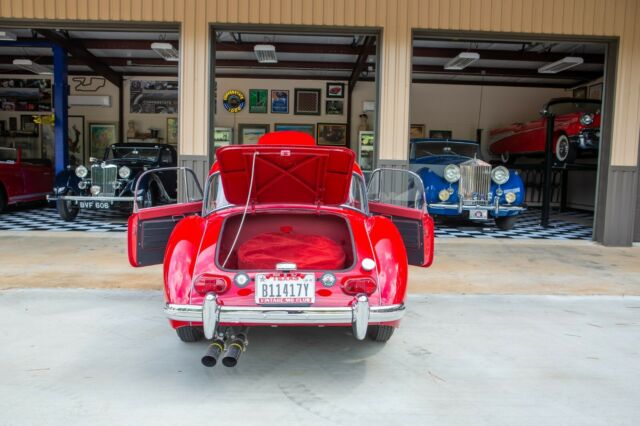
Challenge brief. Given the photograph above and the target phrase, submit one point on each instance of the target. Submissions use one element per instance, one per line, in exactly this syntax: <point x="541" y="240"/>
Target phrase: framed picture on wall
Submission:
<point x="258" y="101"/>
<point x="335" y="90"/>
<point x="101" y="135"/>
<point x="248" y="134"/>
<point x="172" y="130"/>
<point x="307" y="101"/>
<point x="306" y="128"/>
<point x="75" y="138"/>
<point x="595" y="91"/>
<point x="580" y="92"/>
<point x="440" y="134"/>
<point x="280" y="102"/>
<point x="416" y="131"/>
<point x="27" y="124"/>
<point x="333" y="107"/>
<point x="333" y="134"/>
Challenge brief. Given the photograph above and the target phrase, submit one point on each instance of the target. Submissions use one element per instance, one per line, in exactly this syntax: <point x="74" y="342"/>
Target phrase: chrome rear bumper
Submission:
<point x="359" y="315"/>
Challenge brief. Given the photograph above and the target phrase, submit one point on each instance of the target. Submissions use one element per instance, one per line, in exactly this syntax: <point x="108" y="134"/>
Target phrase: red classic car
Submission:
<point x="23" y="180"/>
<point x="285" y="236"/>
<point x="576" y="132"/>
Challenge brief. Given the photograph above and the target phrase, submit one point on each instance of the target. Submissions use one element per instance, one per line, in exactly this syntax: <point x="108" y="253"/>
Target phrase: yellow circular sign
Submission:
<point x="233" y="101"/>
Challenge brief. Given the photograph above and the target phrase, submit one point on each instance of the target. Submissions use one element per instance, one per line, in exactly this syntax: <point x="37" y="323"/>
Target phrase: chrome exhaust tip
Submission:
<point x="210" y="358"/>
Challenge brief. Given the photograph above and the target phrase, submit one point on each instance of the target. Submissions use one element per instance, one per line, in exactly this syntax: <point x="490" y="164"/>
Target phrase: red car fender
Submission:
<point x="180" y="256"/>
<point x="391" y="258"/>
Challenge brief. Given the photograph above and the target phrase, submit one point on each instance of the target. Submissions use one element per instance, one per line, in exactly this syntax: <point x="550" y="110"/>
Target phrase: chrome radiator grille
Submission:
<point x="105" y="176"/>
<point x="475" y="181"/>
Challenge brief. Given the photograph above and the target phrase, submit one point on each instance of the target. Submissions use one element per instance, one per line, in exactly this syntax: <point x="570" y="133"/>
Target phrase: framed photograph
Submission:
<point x="153" y="97"/>
<point x="75" y="140"/>
<point x="248" y="134"/>
<point x="306" y="128"/>
<point x="335" y="90"/>
<point x="101" y="135"/>
<point x="440" y="134"/>
<point x="279" y="102"/>
<point x="258" y="101"/>
<point x="333" y="134"/>
<point x="308" y="102"/>
<point x="580" y="92"/>
<point x="172" y="130"/>
<point x="595" y="91"/>
<point x="416" y="131"/>
<point x="334" y="107"/>
<point x="27" y="124"/>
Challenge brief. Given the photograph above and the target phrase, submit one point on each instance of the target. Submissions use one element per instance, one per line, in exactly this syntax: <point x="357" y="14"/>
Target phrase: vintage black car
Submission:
<point x="110" y="183"/>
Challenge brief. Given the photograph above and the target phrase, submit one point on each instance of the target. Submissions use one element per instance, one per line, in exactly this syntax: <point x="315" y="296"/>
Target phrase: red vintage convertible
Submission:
<point x="23" y="180"/>
<point x="576" y="132"/>
<point x="285" y="236"/>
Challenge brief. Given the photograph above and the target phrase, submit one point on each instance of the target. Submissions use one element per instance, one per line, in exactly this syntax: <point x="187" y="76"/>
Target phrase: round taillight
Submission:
<point x="211" y="283"/>
<point x="359" y="285"/>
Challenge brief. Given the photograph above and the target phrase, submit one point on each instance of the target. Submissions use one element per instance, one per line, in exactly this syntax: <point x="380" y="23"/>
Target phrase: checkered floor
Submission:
<point x="572" y="225"/>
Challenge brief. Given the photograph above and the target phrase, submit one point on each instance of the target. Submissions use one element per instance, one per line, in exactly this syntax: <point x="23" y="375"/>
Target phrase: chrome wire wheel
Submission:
<point x="562" y="148"/>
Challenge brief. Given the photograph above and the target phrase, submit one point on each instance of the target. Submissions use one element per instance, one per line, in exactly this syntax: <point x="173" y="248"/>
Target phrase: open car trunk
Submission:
<point x="311" y="241"/>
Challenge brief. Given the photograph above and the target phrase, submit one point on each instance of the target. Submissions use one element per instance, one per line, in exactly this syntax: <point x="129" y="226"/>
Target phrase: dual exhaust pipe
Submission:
<point x="230" y="350"/>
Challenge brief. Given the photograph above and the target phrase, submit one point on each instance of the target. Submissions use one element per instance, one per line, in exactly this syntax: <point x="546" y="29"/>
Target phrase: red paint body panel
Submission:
<point x="23" y="180"/>
<point x="530" y="137"/>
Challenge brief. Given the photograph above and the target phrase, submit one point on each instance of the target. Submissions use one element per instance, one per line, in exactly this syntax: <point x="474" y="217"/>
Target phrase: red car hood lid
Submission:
<point x="286" y="174"/>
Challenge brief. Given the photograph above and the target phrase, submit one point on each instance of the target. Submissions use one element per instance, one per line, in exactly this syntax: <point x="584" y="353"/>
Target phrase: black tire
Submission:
<point x="189" y="334"/>
<point x="149" y="197"/>
<point x="566" y="152"/>
<point x="3" y="200"/>
<point x="67" y="211"/>
<point x="506" y="223"/>
<point x="380" y="333"/>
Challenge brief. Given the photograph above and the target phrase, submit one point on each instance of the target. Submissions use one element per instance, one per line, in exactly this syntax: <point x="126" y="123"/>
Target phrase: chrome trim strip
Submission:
<point x="284" y="315"/>
<point x="89" y="198"/>
<point x="491" y="207"/>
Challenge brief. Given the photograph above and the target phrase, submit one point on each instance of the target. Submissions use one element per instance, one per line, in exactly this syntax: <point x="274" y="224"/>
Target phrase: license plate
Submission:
<point x="477" y="214"/>
<point x="285" y="289"/>
<point x="94" y="204"/>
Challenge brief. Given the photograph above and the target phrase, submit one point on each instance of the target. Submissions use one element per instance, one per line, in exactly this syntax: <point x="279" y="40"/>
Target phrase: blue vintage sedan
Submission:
<point x="458" y="183"/>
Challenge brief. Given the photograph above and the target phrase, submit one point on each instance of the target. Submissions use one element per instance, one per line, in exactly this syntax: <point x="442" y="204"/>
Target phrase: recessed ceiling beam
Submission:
<point x="505" y="72"/>
<point x="76" y="50"/>
<point x="504" y="55"/>
<point x="361" y="62"/>
<point x="492" y="83"/>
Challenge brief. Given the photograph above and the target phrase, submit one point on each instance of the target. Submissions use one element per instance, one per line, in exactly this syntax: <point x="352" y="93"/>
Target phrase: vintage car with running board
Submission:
<point x="285" y="236"/>
<point x="109" y="184"/>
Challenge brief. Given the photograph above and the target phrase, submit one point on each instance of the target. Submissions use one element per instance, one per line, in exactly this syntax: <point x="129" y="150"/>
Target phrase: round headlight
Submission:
<point x="500" y="175"/>
<point x="124" y="172"/>
<point x="510" y="197"/>
<point x="586" y="119"/>
<point x="328" y="279"/>
<point x="241" y="280"/>
<point x="444" y="195"/>
<point x="82" y="172"/>
<point x="95" y="190"/>
<point x="452" y="173"/>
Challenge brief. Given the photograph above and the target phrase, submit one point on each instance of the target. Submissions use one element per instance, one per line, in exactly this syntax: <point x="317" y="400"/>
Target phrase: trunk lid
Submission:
<point x="286" y="174"/>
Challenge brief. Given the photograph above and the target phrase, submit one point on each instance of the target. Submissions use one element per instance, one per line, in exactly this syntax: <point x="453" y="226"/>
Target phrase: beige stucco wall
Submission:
<point x="396" y="19"/>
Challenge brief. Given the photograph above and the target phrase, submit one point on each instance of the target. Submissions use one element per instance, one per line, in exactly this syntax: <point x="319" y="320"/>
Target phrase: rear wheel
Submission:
<point x="380" y="333"/>
<point x="566" y="152"/>
<point x="190" y="334"/>
<point x="67" y="211"/>
<point x="506" y="223"/>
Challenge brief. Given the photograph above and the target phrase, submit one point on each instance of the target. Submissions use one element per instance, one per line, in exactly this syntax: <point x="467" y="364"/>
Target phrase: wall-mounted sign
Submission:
<point x="233" y="101"/>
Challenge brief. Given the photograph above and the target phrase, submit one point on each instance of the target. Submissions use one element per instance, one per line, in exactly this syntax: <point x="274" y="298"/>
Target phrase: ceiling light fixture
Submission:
<point x="29" y="65"/>
<point x="166" y="50"/>
<point x="561" y="65"/>
<point x="8" y="36"/>
<point x="462" y="61"/>
<point x="266" y="53"/>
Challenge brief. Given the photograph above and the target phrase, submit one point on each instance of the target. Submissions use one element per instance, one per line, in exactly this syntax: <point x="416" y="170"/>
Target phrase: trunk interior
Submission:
<point x="311" y="241"/>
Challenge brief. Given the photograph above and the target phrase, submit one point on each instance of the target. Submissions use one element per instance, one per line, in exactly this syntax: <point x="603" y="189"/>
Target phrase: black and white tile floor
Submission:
<point x="571" y="225"/>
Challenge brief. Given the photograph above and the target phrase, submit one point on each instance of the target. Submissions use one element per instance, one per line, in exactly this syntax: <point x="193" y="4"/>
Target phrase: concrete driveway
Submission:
<point x="108" y="357"/>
